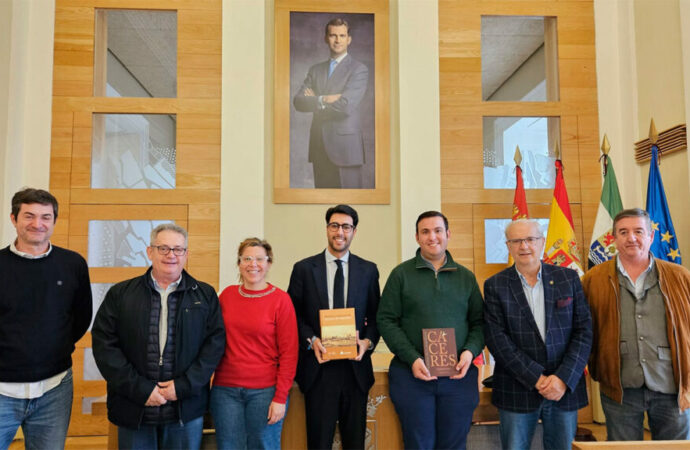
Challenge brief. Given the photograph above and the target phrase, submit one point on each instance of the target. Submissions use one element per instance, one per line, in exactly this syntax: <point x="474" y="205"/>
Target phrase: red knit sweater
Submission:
<point x="261" y="342"/>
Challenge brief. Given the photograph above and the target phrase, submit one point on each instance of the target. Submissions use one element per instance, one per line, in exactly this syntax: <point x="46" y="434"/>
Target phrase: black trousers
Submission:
<point x="335" y="396"/>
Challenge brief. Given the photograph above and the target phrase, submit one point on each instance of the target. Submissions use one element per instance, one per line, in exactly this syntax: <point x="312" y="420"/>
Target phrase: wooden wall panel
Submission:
<point x="463" y="198"/>
<point x="194" y="203"/>
<point x="461" y="111"/>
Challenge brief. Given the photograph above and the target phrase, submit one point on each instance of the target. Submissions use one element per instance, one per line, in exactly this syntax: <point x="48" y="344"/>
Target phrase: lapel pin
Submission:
<point x="551" y="282"/>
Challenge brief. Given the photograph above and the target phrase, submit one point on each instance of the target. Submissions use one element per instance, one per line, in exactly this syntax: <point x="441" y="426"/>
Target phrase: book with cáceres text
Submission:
<point x="338" y="333"/>
<point x="440" y="351"/>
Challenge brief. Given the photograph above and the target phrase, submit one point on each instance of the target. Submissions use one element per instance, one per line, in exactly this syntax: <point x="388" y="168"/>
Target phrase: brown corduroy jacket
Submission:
<point x="603" y="294"/>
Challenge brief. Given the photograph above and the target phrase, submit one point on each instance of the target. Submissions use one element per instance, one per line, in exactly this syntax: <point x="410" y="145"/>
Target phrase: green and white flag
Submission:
<point x="602" y="247"/>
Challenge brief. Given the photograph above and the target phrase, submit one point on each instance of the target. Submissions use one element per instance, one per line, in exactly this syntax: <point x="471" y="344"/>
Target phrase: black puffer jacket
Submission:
<point x="158" y="368"/>
<point x="120" y="336"/>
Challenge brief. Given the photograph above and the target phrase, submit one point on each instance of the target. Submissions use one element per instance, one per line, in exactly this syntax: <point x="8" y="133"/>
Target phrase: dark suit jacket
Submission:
<point x="308" y="290"/>
<point x="521" y="355"/>
<point x="336" y="128"/>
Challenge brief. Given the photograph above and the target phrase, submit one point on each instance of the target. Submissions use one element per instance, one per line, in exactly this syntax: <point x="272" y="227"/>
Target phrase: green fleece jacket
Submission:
<point x="416" y="297"/>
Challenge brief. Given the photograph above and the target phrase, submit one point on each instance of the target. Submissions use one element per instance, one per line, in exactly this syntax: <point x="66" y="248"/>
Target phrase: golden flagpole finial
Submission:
<point x="653" y="134"/>
<point x="518" y="156"/>
<point x="557" y="151"/>
<point x="605" y="146"/>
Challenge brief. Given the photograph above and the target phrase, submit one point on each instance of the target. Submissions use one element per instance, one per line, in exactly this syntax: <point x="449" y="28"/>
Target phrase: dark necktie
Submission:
<point x="339" y="286"/>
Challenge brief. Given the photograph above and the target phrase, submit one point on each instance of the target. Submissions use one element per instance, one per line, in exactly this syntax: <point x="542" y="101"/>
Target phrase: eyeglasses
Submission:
<point x="249" y="259"/>
<point x="333" y="226"/>
<point x="164" y="250"/>
<point x="530" y="240"/>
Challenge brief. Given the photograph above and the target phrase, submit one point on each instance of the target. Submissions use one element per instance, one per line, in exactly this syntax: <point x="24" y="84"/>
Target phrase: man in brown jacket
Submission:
<point x="641" y="348"/>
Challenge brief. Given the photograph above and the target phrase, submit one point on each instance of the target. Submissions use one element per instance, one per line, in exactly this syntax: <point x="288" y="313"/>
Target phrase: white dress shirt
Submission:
<point x="535" y="300"/>
<point x="331" y="267"/>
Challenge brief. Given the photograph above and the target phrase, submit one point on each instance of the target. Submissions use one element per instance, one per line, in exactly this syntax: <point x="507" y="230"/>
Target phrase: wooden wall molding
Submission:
<point x="194" y="203"/>
<point x="463" y="197"/>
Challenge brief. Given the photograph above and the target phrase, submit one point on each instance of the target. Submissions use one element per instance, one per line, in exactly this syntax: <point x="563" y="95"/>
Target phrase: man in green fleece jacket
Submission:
<point x="432" y="291"/>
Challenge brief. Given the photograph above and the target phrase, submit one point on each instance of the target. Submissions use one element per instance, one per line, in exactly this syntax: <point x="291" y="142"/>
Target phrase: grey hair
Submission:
<point x="532" y="222"/>
<point x="168" y="227"/>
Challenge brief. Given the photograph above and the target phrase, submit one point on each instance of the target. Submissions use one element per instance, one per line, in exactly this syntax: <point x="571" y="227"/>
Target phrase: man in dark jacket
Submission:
<point x="539" y="330"/>
<point x="157" y="339"/>
<point x="336" y="390"/>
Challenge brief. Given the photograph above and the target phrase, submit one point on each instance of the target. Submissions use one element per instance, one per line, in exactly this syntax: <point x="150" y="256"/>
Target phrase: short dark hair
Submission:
<point x="632" y="212"/>
<point x="426" y="215"/>
<point x="28" y="196"/>
<point x="343" y="209"/>
<point x="337" y="22"/>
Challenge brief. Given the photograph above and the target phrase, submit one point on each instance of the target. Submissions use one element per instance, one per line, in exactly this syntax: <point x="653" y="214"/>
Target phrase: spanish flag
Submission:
<point x="561" y="247"/>
<point x="519" y="200"/>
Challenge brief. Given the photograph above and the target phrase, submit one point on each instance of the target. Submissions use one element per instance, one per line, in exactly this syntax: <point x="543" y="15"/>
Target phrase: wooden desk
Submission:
<point x="656" y="445"/>
<point x="383" y="427"/>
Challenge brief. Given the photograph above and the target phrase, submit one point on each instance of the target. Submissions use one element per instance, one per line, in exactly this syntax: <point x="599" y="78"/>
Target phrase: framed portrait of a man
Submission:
<point x="331" y="107"/>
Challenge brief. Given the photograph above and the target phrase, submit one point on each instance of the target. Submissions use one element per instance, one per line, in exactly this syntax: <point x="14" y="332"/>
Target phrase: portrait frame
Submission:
<point x="285" y="80"/>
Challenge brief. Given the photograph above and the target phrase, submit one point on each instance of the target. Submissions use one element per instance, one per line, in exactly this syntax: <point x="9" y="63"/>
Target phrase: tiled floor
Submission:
<point x="101" y="442"/>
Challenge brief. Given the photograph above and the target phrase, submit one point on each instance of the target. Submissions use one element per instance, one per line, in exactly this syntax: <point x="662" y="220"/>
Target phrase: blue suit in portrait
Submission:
<point x="336" y="142"/>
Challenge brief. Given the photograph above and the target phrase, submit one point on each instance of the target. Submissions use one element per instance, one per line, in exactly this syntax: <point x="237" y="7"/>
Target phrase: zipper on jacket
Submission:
<point x="160" y="361"/>
<point x="618" y="349"/>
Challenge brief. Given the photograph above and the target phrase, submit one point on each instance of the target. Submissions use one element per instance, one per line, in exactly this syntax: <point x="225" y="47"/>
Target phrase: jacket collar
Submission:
<point x="319" y="274"/>
<point x="186" y="281"/>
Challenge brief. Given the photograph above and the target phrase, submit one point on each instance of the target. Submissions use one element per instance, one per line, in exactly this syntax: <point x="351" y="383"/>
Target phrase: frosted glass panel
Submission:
<point x="536" y="137"/>
<point x="495" y="239"/>
<point x="120" y="243"/>
<point x="139" y="57"/>
<point x="87" y="403"/>
<point x="133" y="151"/>
<point x="91" y="371"/>
<point x="98" y="291"/>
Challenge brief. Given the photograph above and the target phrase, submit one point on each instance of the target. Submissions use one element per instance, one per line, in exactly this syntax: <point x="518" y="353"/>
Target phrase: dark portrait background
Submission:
<point x="307" y="47"/>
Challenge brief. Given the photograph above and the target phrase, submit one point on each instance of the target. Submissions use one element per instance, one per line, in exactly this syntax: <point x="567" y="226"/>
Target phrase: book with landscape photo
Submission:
<point x="338" y="333"/>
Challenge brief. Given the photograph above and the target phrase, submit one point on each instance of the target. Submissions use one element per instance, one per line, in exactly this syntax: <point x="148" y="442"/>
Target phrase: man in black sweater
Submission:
<point x="45" y="308"/>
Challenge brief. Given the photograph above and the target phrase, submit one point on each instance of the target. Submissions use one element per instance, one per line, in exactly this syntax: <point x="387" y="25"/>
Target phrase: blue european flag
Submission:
<point x="665" y="245"/>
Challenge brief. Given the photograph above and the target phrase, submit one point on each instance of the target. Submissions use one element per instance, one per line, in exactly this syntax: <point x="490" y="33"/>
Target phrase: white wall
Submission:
<point x="25" y="136"/>
<point x="643" y="72"/>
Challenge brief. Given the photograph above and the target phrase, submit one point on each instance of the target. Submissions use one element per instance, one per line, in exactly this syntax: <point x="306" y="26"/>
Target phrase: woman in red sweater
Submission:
<point x="251" y="384"/>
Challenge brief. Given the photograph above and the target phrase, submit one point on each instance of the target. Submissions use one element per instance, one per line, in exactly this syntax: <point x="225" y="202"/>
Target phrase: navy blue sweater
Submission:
<point x="45" y="308"/>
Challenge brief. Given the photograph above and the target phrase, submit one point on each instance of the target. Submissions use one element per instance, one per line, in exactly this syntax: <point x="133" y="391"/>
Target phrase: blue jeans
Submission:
<point x="624" y="422"/>
<point x="559" y="427"/>
<point x="241" y="418"/>
<point x="433" y="414"/>
<point x="169" y="436"/>
<point x="44" y="420"/>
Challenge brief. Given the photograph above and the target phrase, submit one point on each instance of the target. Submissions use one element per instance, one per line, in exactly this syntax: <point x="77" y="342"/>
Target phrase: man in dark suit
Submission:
<point x="335" y="390"/>
<point x="332" y="91"/>
<point x="539" y="330"/>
